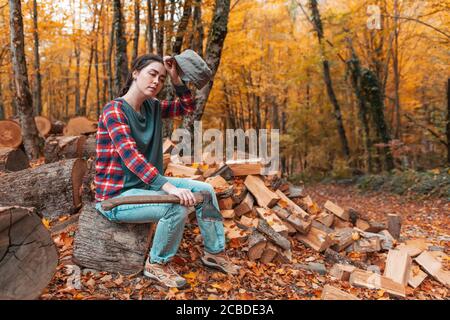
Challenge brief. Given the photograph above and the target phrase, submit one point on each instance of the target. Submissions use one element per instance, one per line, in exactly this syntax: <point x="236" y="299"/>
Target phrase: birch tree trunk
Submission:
<point x="30" y="135"/>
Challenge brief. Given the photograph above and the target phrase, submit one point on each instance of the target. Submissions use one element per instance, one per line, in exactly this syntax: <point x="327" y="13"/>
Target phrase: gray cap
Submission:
<point x="192" y="68"/>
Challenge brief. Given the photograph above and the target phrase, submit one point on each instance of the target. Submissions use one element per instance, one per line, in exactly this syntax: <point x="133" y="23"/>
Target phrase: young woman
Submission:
<point x="130" y="162"/>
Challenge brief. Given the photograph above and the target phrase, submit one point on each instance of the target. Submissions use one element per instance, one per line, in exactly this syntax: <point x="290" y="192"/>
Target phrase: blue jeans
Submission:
<point x="171" y="219"/>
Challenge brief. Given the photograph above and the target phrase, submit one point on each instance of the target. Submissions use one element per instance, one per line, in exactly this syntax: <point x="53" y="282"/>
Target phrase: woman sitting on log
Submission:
<point x="130" y="162"/>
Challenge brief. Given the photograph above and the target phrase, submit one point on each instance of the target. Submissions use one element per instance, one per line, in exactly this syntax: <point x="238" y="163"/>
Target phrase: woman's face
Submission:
<point x="150" y="79"/>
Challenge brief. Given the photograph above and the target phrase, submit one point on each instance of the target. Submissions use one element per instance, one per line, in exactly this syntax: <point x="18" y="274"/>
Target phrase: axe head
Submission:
<point x="209" y="212"/>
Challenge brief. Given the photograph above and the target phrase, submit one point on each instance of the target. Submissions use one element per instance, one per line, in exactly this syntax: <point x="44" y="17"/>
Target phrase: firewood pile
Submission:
<point x="266" y="216"/>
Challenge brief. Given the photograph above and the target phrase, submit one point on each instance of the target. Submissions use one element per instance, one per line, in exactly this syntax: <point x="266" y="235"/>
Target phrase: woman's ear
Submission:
<point x="135" y="74"/>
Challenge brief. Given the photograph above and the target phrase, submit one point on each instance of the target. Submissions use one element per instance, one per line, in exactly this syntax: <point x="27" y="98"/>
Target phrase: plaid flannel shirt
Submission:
<point x="115" y="143"/>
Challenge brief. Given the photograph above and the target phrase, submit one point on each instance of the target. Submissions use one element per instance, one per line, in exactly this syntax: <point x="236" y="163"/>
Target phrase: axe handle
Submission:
<point x="109" y="204"/>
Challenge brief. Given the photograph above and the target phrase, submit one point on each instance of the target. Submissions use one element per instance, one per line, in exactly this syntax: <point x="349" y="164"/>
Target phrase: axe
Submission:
<point x="208" y="210"/>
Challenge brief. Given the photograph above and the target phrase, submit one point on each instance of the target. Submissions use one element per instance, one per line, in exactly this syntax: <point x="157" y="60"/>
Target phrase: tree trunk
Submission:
<point x="150" y="24"/>
<point x="121" y="59"/>
<point x="53" y="189"/>
<point x="63" y="147"/>
<point x="107" y="246"/>
<point x="28" y="256"/>
<point x="170" y="29"/>
<point x="109" y="70"/>
<point x="137" y="22"/>
<point x="216" y="38"/>
<point x="182" y="27"/>
<point x="2" y="106"/>
<point x="316" y="19"/>
<point x="372" y="92"/>
<point x="160" y="33"/>
<point x="196" y="40"/>
<point x="13" y="159"/>
<point x="448" y="121"/>
<point x="37" y="69"/>
<point x="396" y="73"/>
<point x="77" y="80"/>
<point x="31" y="139"/>
<point x="355" y="71"/>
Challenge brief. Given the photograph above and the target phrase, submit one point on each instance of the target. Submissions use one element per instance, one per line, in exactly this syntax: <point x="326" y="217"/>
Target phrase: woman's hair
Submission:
<point x="138" y="64"/>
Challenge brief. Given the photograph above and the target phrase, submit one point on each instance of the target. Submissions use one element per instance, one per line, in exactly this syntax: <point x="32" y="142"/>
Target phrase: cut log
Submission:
<point x="332" y="293"/>
<point x="13" y="159"/>
<point x="256" y="244"/>
<point x="316" y="239"/>
<point x="321" y="226"/>
<point x="226" y="204"/>
<point x="245" y="206"/>
<point x="270" y="253"/>
<point x="57" y="127"/>
<point x="166" y="161"/>
<point x="298" y="217"/>
<point x="28" y="256"/>
<point x="414" y="247"/>
<point x="272" y="219"/>
<point x="89" y="150"/>
<point x="342" y="271"/>
<point x="108" y="246"/>
<point x="264" y="197"/>
<point x="225" y="172"/>
<point x="218" y="183"/>
<point x="245" y="167"/>
<point x="338" y="211"/>
<point x="80" y="125"/>
<point x="365" y="245"/>
<point x="338" y="223"/>
<point x="416" y="276"/>
<point x="394" y="225"/>
<point x="295" y="191"/>
<point x="43" y="125"/>
<point x="293" y="219"/>
<point x="232" y="231"/>
<point x="249" y="222"/>
<point x="370" y="280"/>
<point x="179" y="170"/>
<point x="272" y="235"/>
<point x="53" y="189"/>
<point x="398" y="266"/>
<point x="63" y="147"/>
<point x="239" y="193"/>
<point x="227" y="214"/>
<point x="334" y="257"/>
<point x="88" y="183"/>
<point x="370" y="226"/>
<point x="10" y="134"/>
<point x="310" y="205"/>
<point x="168" y="145"/>
<point x="342" y="238"/>
<point x="386" y="242"/>
<point x="434" y="268"/>
<point x="326" y="219"/>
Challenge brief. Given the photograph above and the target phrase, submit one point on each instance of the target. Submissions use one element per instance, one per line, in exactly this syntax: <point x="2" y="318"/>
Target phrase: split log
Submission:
<point x="63" y="147"/>
<point x="13" y="159"/>
<point x="273" y="221"/>
<point x="227" y="214"/>
<point x="334" y="257"/>
<point x="370" y="280"/>
<point x="332" y="293"/>
<point x="107" y="246"/>
<point x="80" y="125"/>
<point x="179" y="170"/>
<point x="338" y="211"/>
<point x="342" y="238"/>
<point x="245" y="167"/>
<point x="28" y="254"/>
<point x="245" y="206"/>
<point x="398" y="266"/>
<point x="370" y="226"/>
<point x="239" y="193"/>
<point x="365" y="245"/>
<point x="394" y="225"/>
<point x="434" y="268"/>
<point x="53" y="189"/>
<point x="269" y="254"/>
<point x="10" y="134"/>
<point x="264" y="197"/>
<point x="299" y="218"/>
<point x="88" y="183"/>
<point x="416" y="276"/>
<point x="272" y="235"/>
<point x="414" y="247"/>
<point x="224" y="171"/>
<point x="226" y="204"/>
<point x="342" y="271"/>
<point x="256" y="244"/>
<point x="326" y="219"/>
<point x="316" y="239"/>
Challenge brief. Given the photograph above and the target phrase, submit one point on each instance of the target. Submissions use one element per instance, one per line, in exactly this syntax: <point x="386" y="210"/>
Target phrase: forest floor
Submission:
<point x="429" y="219"/>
